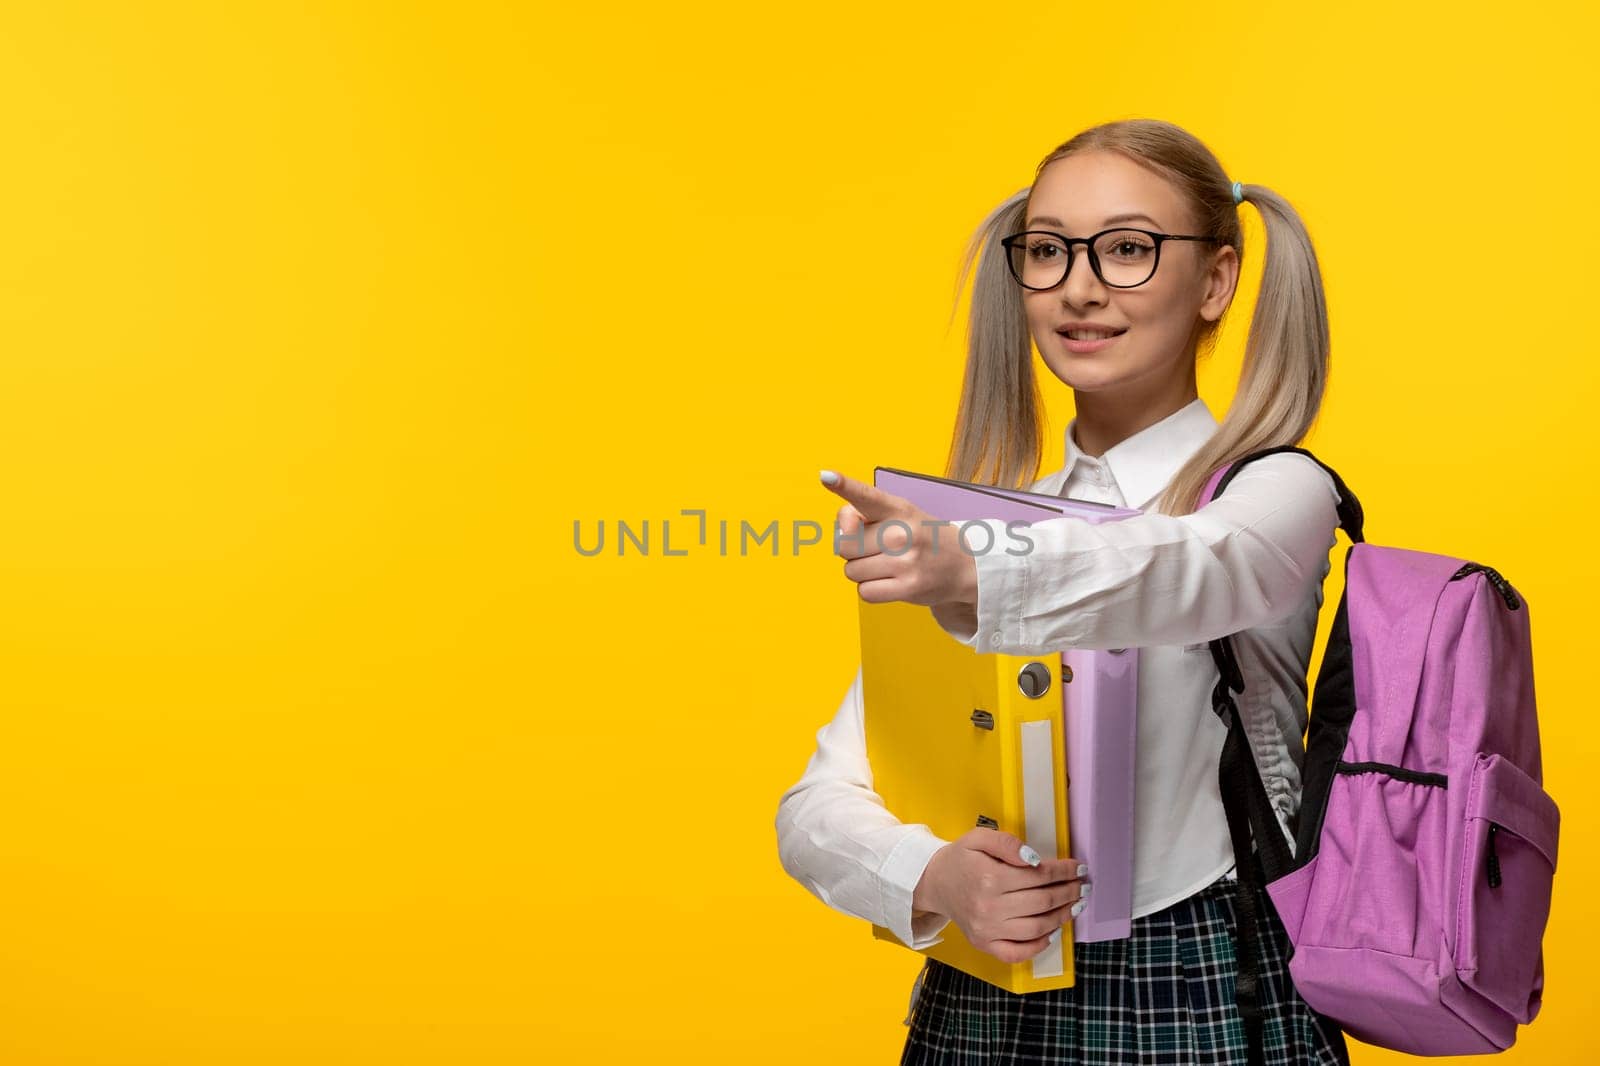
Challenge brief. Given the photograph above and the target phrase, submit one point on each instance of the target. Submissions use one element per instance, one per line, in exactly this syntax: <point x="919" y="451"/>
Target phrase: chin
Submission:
<point x="1084" y="374"/>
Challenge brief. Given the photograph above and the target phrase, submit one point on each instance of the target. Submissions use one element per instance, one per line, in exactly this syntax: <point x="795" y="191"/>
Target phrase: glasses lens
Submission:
<point x="1127" y="257"/>
<point x="1038" y="260"/>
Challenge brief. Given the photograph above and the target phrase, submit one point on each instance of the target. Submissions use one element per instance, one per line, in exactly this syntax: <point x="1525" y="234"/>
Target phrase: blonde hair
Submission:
<point x="999" y="430"/>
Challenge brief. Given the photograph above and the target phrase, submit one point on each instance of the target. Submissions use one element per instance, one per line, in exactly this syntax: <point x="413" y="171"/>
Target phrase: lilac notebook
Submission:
<point x="1101" y="702"/>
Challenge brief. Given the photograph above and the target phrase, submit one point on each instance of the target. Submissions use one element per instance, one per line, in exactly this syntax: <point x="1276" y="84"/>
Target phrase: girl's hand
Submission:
<point x="897" y="551"/>
<point x="1002" y="904"/>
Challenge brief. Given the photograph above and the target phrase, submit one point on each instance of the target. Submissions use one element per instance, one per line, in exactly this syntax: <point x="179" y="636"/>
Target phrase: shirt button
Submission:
<point x="994" y="640"/>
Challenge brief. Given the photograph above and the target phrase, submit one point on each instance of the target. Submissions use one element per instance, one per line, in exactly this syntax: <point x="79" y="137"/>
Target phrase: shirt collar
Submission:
<point x="1144" y="463"/>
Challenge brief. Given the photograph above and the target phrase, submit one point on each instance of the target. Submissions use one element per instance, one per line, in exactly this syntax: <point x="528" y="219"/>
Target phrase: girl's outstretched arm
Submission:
<point x="1248" y="558"/>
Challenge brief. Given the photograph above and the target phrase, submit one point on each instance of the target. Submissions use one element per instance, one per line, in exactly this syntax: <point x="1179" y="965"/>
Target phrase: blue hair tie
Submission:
<point x="1238" y="192"/>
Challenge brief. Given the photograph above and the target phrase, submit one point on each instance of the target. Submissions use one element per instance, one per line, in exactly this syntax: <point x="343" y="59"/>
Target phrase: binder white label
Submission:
<point x="1039" y="820"/>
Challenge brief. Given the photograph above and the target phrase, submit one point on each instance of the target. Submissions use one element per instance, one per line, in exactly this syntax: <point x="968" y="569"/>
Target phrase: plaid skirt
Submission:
<point x="1163" y="995"/>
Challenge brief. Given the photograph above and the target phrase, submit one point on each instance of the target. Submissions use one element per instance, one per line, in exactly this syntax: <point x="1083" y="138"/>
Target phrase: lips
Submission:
<point x="1090" y="333"/>
<point x="1088" y="346"/>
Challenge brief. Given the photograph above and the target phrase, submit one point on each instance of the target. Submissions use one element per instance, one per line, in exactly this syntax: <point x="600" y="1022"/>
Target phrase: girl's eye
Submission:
<point x="1043" y="249"/>
<point x="1126" y="248"/>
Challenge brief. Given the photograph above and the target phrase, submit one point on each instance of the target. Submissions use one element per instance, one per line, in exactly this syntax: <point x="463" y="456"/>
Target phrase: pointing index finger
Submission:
<point x="874" y="504"/>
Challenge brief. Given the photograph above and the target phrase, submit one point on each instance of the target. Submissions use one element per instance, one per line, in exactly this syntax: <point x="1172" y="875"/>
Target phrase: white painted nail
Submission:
<point x="1055" y="934"/>
<point x="1083" y="871"/>
<point x="1077" y="908"/>
<point x="1084" y="890"/>
<point x="830" y="478"/>
<point x="1029" y="856"/>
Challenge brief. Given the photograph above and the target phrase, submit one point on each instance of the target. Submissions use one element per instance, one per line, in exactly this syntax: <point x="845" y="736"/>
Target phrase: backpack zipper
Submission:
<point x="1501" y="585"/>
<point x="1494" y="858"/>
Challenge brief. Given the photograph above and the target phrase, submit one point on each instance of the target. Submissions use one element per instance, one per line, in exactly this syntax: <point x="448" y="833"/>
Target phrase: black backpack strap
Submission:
<point x="1243" y="785"/>
<point x="1244" y="795"/>
<point x="1244" y="801"/>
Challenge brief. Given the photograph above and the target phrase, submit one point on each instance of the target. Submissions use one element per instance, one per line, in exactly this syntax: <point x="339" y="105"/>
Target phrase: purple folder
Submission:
<point x="1101" y="702"/>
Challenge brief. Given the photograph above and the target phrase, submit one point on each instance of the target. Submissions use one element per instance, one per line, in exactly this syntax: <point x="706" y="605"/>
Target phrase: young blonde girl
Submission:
<point x="1117" y="264"/>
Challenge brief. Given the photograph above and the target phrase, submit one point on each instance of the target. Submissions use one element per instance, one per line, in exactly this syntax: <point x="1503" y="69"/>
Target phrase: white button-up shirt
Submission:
<point x="1250" y="564"/>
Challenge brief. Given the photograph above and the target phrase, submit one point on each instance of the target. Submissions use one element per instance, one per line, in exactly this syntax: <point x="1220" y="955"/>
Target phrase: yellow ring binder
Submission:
<point x="955" y="739"/>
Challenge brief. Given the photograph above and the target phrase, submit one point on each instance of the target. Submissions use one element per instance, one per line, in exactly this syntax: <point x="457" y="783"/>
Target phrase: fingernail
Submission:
<point x="1055" y="934"/>
<point x="1085" y="890"/>
<point x="1029" y="856"/>
<point x="1077" y="908"/>
<point x="830" y="478"/>
<point x="1083" y="871"/>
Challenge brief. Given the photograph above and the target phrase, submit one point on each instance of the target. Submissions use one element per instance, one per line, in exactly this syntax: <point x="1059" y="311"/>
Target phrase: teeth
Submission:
<point x="1089" y="334"/>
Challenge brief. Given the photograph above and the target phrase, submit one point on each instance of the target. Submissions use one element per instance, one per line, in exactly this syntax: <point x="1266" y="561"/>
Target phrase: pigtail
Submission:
<point x="999" y="434"/>
<point x="1286" y="355"/>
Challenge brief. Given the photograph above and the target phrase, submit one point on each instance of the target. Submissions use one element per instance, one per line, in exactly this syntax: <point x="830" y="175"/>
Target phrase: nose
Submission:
<point x="1081" y="286"/>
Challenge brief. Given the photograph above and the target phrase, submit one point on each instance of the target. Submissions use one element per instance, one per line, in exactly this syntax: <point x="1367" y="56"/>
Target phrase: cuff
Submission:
<point x="1002" y="590"/>
<point x="898" y="878"/>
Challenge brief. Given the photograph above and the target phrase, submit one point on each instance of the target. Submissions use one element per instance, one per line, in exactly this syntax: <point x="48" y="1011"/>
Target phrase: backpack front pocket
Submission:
<point x="1503" y="886"/>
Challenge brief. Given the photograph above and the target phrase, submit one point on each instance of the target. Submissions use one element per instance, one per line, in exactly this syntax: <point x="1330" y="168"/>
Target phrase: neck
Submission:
<point x="1105" y="419"/>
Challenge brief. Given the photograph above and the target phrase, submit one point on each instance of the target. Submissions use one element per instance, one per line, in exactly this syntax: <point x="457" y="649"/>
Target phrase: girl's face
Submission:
<point x="1081" y="195"/>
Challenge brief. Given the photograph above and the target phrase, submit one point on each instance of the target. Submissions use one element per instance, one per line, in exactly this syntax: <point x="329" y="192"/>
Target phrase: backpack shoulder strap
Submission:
<point x="1242" y="788"/>
<point x="1244" y="796"/>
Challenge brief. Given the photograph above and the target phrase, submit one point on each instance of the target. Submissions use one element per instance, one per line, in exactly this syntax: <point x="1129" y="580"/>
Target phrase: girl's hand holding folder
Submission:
<point x="1002" y="903"/>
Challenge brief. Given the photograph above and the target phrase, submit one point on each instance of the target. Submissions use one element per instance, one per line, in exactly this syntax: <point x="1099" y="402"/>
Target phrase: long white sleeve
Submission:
<point x="838" y="839"/>
<point x="1246" y="559"/>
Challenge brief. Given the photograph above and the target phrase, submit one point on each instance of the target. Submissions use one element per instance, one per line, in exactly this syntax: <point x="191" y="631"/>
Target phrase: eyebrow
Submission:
<point x="1135" y="217"/>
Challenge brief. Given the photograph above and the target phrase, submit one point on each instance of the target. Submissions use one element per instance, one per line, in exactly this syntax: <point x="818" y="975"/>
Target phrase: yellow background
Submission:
<point x="322" y="324"/>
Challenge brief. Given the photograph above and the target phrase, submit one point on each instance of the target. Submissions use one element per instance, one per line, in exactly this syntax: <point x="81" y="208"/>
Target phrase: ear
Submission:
<point x="1221" y="278"/>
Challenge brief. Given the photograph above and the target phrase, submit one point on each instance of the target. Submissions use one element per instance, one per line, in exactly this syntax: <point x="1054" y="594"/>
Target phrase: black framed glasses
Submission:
<point x="1123" y="258"/>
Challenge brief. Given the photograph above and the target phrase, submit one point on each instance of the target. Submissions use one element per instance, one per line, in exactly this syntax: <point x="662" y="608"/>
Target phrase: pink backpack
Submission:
<point x="1425" y="850"/>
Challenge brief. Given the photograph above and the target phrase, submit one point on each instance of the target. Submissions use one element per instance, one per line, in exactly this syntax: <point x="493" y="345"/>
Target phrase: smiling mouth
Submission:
<point x="1089" y="334"/>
